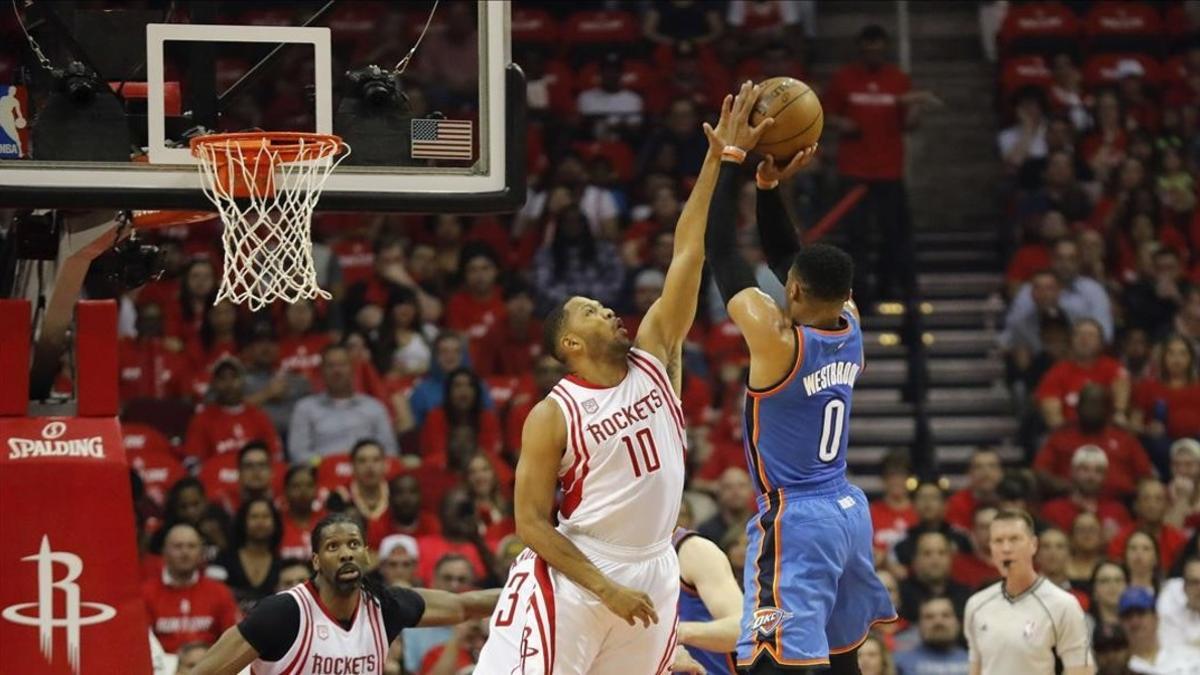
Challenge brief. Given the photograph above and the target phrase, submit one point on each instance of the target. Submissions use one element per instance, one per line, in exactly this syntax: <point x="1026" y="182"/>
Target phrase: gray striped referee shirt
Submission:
<point x="1022" y="634"/>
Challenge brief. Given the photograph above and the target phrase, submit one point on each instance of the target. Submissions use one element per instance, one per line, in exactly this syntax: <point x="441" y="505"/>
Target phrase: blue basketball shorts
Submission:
<point x="810" y="584"/>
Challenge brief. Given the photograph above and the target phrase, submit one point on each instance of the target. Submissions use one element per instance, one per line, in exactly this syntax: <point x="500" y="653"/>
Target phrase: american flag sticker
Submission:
<point x="442" y="139"/>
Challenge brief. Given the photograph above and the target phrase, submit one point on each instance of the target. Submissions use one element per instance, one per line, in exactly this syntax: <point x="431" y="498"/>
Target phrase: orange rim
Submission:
<point x="286" y="145"/>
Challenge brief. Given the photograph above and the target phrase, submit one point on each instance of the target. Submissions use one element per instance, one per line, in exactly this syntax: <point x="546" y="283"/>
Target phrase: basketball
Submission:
<point x="798" y="117"/>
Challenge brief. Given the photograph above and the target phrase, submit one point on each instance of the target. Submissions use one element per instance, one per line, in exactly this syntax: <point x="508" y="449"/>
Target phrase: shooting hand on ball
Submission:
<point x="769" y="171"/>
<point x="734" y="128"/>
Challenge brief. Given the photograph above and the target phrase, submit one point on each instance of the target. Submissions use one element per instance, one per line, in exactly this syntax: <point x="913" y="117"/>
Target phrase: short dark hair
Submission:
<point x="872" y="33"/>
<point x="363" y="443"/>
<point x="250" y="447"/>
<point x="451" y="558"/>
<point x="1017" y="515"/>
<point x="294" y="562"/>
<point x="826" y="272"/>
<point x="936" y="598"/>
<point x="552" y="329"/>
<point x="297" y="469"/>
<point x="896" y="461"/>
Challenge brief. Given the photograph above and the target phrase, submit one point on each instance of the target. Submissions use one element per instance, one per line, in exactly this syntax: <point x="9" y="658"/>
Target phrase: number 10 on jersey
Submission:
<point x="647" y="460"/>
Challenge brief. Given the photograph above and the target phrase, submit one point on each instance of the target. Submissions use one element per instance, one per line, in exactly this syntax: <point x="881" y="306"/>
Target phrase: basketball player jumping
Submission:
<point x="339" y="621"/>
<point x="811" y="592"/>
<point x="611" y="432"/>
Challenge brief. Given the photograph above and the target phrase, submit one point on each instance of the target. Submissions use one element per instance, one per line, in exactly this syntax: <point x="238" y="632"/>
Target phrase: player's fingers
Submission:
<point x="757" y="131"/>
<point x="726" y="106"/>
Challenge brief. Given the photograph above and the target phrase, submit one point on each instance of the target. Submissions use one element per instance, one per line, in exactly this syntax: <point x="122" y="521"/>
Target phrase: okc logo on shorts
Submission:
<point x="766" y="620"/>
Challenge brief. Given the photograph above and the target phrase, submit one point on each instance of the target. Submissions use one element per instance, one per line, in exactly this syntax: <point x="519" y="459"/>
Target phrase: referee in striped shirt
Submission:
<point x="1022" y="623"/>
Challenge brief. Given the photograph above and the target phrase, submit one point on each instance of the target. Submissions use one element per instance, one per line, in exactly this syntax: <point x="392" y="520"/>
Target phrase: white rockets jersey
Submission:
<point x="323" y="646"/>
<point x="622" y="472"/>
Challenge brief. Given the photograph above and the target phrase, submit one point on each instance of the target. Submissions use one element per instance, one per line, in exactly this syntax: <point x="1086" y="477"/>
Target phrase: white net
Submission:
<point x="265" y="192"/>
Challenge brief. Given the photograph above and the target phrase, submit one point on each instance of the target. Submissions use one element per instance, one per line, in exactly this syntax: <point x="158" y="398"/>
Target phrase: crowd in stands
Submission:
<point x="402" y="398"/>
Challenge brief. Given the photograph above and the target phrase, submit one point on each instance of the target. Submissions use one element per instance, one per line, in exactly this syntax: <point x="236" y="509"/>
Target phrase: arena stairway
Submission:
<point x="953" y="179"/>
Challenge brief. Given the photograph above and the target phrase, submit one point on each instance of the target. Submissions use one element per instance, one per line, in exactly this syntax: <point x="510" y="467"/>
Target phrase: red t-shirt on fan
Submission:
<point x="434" y="548"/>
<point x="296" y="542"/>
<point x="150" y="370"/>
<point x="871" y="98"/>
<point x="302" y="354"/>
<point x="355" y="258"/>
<point x="1127" y="459"/>
<point x="474" y="317"/>
<point x="216" y="430"/>
<point x="1062" y="512"/>
<point x="427" y="525"/>
<point x="890" y="524"/>
<point x="1182" y="405"/>
<point x="1066" y="378"/>
<point x="199" y="612"/>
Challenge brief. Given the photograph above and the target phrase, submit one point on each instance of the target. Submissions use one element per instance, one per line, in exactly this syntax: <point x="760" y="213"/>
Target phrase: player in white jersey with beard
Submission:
<point x="597" y="593"/>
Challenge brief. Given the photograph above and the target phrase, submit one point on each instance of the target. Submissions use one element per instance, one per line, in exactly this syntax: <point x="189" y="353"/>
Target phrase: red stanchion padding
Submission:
<point x="96" y="358"/>
<point x="15" y="334"/>
<point x="70" y="602"/>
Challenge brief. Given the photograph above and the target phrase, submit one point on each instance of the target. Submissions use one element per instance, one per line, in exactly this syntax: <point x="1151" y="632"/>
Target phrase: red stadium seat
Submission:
<point x="219" y="474"/>
<point x="1024" y="71"/>
<point x="1113" y="18"/>
<point x="533" y="26"/>
<point x="1105" y="69"/>
<point x="603" y="26"/>
<point x="1040" y="23"/>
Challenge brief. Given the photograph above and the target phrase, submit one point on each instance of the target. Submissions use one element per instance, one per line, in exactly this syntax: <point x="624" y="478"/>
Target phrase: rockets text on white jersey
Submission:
<point x="622" y="472"/>
<point x="323" y="647"/>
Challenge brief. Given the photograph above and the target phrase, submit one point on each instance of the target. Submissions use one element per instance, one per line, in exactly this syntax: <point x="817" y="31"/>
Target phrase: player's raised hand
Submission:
<point x="739" y="132"/>
<point x="769" y="171"/>
<point x="629" y="604"/>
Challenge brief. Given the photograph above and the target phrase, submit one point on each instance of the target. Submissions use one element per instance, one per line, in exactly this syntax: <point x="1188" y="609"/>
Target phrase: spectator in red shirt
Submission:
<point x="1087" y="548"/>
<point x="300" y="512"/>
<point x="1127" y="461"/>
<point x="1149" y="511"/>
<point x="512" y="345"/>
<point x="198" y="291"/>
<point x="929" y="500"/>
<point x="148" y="367"/>
<point x="405" y="515"/>
<point x="255" y="476"/>
<point x="492" y="505"/>
<point x="479" y="305"/>
<point x="302" y="342"/>
<point x="461" y="651"/>
<point x="390" y="272"/>
<point x="228" y="423"/>
<point x="460" y="536"/>
<point x="184" y="606"/>
<point x="1089" y="465"/>
<point x="1167" y="407"/>
<point x="871" y="104"/>
<point x="367" y="491"/>
<point x="1053" y="554"/>
<point x="217" y="338"/>
<point x="1059" y="391"/>
<point x="547" y="371"/>
<point x="974" y="568"/>
<point x="398" y="561"/>
<point x="893" y="513"/>
<point x="462" y="412"/>
<point x="984" y="473"/>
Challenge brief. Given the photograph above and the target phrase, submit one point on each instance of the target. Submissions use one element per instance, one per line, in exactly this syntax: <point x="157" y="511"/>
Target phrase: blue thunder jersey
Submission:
<point x="692" y="608"/>
<point x="796" y="431"/>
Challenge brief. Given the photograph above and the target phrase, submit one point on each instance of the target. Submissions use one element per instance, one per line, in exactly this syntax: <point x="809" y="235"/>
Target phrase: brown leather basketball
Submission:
<point x="797" y="113"/>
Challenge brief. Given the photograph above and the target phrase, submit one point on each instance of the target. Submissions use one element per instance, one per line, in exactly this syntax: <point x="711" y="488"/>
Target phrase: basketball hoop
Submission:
<point x="265" y="186"/>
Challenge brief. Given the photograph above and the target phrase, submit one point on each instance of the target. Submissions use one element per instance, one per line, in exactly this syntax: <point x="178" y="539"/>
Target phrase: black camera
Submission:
<point x="375" y="85"/>
<point x="130" y="264"/>
<point x="78" y="82"/>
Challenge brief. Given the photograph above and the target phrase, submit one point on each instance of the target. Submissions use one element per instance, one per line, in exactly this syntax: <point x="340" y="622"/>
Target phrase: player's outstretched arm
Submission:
<point x="767" y="331"/>
<point x="669" y="319"/>
<point x="228" y="656"/>
<point x="542" y="441"/>
<point x="704" y="565"/>
<point x="447" y="609"/>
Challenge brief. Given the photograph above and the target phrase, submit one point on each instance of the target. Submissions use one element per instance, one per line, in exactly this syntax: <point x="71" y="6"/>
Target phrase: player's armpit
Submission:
<point x="447" y="609"/>
<point x="769" y="335"/>
<point x="228" y="656"/>
<point x="704" y="566"/>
